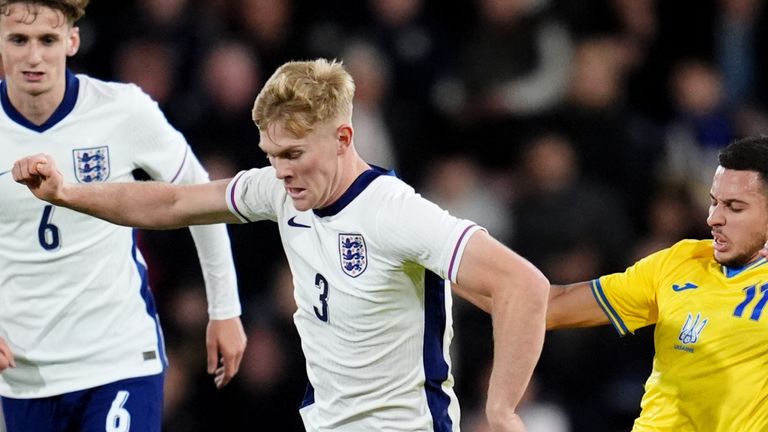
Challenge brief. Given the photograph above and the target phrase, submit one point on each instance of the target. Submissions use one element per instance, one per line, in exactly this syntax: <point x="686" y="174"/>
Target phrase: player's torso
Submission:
<point x="348" y="289"/>
<point x="711" y="339"/>
<point x="361" y="315"/>
<point x="69" y="283"/>
<point x="88" y="145"/>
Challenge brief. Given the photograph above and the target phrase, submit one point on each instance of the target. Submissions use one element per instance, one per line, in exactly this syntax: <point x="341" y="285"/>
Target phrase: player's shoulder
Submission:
<point x="389" y="186"/>
<point x="690" y="249"/>
<point x="98" y="92"/>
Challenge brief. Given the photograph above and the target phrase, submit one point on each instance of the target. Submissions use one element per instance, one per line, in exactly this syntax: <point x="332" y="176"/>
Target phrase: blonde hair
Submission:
<point x="302" y="94"/>
<point x="72" y="10"/>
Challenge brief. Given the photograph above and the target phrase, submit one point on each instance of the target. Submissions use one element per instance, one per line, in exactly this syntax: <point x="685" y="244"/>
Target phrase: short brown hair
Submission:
<point x="301" y="94"/>
<point x="72" y="10"/>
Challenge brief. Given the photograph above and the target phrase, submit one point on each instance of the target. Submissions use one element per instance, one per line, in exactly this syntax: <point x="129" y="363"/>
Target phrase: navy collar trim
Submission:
<point x="65" y="107"/>
<point x="357" y="187"/>
<point x="733" y="271"/>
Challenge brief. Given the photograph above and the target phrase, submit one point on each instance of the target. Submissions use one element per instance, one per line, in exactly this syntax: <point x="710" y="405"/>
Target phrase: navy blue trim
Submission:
<point x="731" y="272"/>
<point x="149" y="301"/>
<point x="65" y="107"/>
<point x="309" y="396"/>
<point x="357" y="187"/>
<point x="436" y="368"/>
<point x="613" y="316"/>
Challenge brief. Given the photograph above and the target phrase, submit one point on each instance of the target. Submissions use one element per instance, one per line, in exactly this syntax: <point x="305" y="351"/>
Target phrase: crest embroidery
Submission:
<point x="91" y="164"/>
<point x="353" y="254"/>
<point x="692" y="329"/>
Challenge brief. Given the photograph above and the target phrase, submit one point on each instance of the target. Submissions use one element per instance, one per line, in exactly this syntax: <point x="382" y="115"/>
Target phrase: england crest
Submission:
<point x="91" y="164"/>
<point x="354" y="257"/>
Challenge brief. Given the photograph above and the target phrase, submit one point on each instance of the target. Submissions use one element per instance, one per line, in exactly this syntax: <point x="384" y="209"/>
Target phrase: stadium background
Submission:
<point x="581" y="132"/>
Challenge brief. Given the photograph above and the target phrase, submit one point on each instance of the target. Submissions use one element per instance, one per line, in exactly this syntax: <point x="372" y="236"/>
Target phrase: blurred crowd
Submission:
<point x="581" y="132"/>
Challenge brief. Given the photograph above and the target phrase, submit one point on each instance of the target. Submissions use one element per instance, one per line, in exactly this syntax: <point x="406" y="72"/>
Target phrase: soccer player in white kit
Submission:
<point x="372" y="262"/>
<point x="81" y="347"/>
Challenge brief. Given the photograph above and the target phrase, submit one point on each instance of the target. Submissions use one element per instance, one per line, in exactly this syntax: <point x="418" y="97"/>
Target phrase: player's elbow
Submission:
<point x="530" y="288"/>
<point x="537" y="290"/>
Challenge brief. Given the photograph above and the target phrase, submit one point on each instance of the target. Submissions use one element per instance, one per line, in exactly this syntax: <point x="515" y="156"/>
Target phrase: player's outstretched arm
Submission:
<point x="574" y="305"/>
<point x="225" y="342"/>
<point x="569" y="305"/>
<point x="6" y="356"/>
<point x="516" y="294"/>
<point x="154" y="205"/>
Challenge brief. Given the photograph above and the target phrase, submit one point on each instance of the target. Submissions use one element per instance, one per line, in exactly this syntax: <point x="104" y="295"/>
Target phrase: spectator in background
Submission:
<point x="150" y="65"/>
<point x="417" y="47"/>
<point x="229" y="73"/>
<point x="416" y="51"/>
<point x="372" y="115"/>
<point x="567" y="225"/>
<point x="737" y="49"/>
<point x="671" y="216"/>
<point x="516" y="59"/>
<point x="176" y="24"/>
<point x="617" y="146"/>
<point x="268" y="28"/>
<point x="458" y="184"/>
<point x="702" y="126"/>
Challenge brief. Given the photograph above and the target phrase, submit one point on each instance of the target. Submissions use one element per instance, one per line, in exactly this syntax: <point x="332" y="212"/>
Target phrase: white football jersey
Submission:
<point x="374" y="306"/>
<point x="75" y="305"/>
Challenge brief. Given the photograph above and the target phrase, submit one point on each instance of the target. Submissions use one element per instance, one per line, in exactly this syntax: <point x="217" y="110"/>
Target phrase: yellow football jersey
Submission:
<point x="710" y="370"/>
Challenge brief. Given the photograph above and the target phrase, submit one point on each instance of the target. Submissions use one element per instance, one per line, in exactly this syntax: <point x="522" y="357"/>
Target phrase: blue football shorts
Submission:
<point x="134" y="404"/>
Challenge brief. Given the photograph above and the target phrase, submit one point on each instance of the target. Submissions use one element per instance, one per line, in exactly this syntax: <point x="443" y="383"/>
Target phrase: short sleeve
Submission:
<point x="255" y="195"/>
<point x="629" y="299"/>
<point x="417" y="230"/>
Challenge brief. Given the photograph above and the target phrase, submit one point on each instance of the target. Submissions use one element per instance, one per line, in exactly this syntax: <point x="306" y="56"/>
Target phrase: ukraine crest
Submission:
<point x="354" y="257"/>
<point x="91" y="164"/>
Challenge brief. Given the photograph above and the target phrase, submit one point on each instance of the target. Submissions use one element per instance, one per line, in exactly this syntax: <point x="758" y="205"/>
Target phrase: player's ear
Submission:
<point x="73" y="41"/>
<point x="344" y="137"/>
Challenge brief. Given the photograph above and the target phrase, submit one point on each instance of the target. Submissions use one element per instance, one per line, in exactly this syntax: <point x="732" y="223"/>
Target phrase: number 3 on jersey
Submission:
<point x="48" y="233"/>
<point x="322" y="284"/>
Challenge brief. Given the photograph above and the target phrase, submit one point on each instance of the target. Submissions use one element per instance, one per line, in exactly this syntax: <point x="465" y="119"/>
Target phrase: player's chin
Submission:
<point x="301" y="204"/>
<point x="733" y="259"/>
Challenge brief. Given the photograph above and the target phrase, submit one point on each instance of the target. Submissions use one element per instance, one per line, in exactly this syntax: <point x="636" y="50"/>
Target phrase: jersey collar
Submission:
<point x="65" y="107"/>
<point x="357" y="187"/>
<point x="730" y="272"/>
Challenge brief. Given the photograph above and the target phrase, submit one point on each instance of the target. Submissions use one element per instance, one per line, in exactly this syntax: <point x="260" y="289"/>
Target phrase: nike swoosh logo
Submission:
<point x="687" y="286"/>
<point x="293" y="223"/>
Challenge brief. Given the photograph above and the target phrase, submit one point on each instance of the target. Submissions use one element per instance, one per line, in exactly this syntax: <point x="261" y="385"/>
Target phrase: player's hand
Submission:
<point x="6" y="356"/>
<point x="225" y="342"/>
<point x="40" y="175"/>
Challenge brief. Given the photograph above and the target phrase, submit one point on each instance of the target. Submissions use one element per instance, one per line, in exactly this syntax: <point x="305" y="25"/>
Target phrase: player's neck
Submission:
<point x="36" y="108"/>
<point x="349" y="174"/>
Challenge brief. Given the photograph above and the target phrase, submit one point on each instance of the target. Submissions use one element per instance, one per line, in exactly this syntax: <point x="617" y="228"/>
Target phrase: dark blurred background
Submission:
<point x="583" y="133"/>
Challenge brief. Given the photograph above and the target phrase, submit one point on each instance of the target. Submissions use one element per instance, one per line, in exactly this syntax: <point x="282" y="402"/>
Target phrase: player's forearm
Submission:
<point x="141" y="205"/>
<point x="573" y="305"/>
<point x="518" y="314"/>
<point x="483" y="302"/>
<point x="215" y="255"/>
